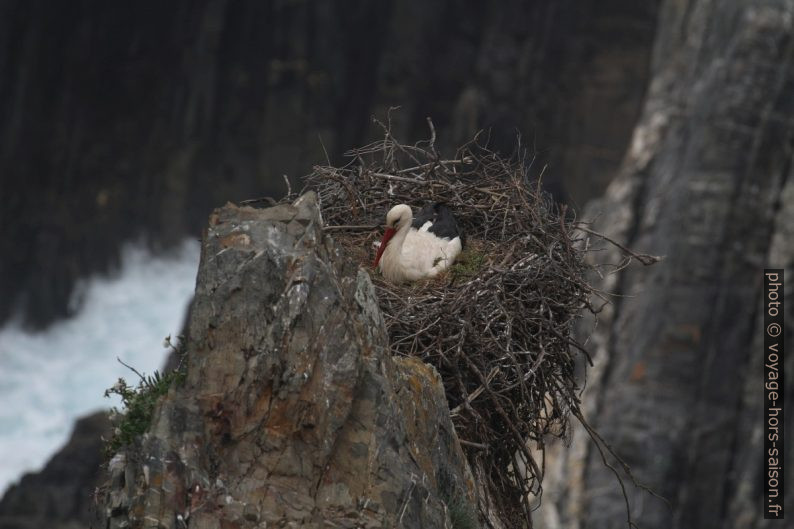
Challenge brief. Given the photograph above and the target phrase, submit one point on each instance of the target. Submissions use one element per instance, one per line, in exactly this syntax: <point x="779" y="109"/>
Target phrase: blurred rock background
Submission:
<point x="122" y="120"/>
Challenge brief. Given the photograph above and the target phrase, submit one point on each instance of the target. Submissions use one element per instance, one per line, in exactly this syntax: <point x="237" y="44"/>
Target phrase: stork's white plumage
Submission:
<point x="415" y="249"/>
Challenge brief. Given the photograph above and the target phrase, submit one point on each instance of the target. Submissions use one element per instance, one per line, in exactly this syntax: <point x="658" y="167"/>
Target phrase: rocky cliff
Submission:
<point x="63" y="494"/>
<point x="707" y="182"/>
<point x="293" y="413"/>
<point x="121" y="120"/>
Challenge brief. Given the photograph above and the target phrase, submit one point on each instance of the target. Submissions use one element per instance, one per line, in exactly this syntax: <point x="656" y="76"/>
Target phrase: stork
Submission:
<point x="413" y="249"/>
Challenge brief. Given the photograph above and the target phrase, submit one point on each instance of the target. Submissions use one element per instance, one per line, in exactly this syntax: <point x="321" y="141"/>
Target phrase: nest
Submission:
<point x="498" y="325"/>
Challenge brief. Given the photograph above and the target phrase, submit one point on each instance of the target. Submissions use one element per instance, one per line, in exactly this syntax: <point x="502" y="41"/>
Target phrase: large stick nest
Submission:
<point x="498" y="326"/>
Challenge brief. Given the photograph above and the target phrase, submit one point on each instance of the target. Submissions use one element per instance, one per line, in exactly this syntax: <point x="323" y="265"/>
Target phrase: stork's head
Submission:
<point x="398" y="217"/>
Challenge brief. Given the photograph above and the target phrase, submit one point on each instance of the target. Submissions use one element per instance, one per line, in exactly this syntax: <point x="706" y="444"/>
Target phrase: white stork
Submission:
<point x="413" y="249"/>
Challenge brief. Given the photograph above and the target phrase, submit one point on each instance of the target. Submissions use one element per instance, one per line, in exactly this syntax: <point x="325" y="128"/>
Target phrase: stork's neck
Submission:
<point x="395" y="246"/>
<point x="391" y="264"/>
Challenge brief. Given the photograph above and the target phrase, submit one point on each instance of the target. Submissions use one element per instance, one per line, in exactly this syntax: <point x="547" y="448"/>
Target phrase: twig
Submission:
<point x="289" y="186"/>
<point x="131" y="369"/>
<point x="433" y="164"/>
<point x="481" y="446"/>
<point x="432" y="133"/>
<point x="400" y="178"/>
<point x="270" y="200"/>
<point x="351" y="227"/>
<point x="643" y="258"/>
<point x="325" y="151"/>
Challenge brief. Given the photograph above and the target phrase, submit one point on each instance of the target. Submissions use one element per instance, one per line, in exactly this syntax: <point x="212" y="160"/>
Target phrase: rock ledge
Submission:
<point x="293" y="413"/>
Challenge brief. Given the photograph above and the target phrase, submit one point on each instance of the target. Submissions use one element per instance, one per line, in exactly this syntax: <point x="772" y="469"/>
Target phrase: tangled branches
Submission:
<point x="498" y="325"/>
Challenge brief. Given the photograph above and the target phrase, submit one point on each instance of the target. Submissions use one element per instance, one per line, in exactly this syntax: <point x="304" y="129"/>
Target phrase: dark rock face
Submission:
<point x="120" y="120"/>
<point x="293" y="413"/>
<point x="708" y="178"/>
<point x="61" y="496"/>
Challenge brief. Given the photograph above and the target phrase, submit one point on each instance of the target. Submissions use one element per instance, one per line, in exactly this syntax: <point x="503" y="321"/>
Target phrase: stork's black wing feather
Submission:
<point x="442" y="221"/>
<point x="426" y="214"/>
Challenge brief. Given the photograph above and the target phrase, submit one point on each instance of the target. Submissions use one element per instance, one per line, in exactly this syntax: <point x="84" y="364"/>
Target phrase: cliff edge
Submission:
<point x="292" y="412"/>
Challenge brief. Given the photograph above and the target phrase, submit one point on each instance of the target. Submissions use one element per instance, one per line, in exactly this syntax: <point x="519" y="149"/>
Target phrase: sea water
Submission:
<point x="50" y="378"/>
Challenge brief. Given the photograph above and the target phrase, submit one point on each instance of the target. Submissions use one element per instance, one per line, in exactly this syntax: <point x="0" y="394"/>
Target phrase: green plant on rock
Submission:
<point x="138" y="402"/>
<point x="461" y="513"/>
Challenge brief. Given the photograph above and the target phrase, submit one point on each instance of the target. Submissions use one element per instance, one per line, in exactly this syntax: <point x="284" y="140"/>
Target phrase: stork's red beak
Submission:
<point x="383" y="242"/>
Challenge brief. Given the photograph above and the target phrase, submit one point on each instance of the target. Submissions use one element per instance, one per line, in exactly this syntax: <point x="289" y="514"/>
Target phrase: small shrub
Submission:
<point x="138" y="402"/>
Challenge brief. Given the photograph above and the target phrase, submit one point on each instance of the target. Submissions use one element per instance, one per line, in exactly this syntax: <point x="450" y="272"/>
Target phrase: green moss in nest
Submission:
<point x="468" y="264"/>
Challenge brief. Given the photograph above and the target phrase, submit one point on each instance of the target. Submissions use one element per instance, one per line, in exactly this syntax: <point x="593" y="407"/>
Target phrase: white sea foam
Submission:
<point x="49" y="379"/>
